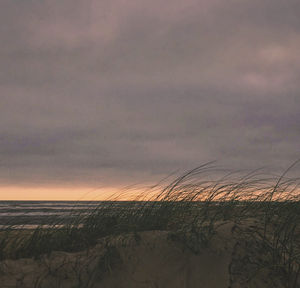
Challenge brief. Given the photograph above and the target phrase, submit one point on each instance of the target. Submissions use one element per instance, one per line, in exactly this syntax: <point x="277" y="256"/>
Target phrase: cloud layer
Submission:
<point x="115" y="92"/>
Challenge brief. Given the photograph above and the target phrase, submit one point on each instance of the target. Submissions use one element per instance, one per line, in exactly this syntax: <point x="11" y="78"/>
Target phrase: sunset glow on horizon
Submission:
<point x="57" y="193"/>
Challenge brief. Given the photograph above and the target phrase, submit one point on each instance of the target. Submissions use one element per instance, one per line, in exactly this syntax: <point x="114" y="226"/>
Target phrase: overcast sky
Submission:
<point x="116" y="92"/>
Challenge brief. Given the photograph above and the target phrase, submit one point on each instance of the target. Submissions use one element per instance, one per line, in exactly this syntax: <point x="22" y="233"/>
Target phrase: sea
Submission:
<point x="32" y="214"/>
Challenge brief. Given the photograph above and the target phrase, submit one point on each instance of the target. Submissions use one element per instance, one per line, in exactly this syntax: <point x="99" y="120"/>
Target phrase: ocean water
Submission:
<point x="31" y="214"/>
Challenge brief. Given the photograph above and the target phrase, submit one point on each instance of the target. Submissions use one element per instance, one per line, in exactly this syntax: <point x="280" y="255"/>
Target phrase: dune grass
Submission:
<point x="193" y="204"/>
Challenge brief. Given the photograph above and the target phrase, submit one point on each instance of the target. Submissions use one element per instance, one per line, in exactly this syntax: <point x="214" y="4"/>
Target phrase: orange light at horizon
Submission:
<point x="16" y="193"/>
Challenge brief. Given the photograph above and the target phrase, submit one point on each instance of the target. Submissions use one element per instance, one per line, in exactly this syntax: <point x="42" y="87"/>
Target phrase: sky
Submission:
<point x="99" y="95"/>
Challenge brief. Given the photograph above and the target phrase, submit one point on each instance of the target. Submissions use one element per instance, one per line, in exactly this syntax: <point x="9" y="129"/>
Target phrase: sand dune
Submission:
<point x="157" y="259"/>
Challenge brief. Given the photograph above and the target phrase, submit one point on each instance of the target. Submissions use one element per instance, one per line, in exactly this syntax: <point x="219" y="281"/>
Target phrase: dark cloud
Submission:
<point x="114" y="92"/>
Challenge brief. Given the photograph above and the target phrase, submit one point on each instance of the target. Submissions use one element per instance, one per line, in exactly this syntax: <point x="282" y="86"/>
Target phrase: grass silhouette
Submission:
<point x="266" y="209"/>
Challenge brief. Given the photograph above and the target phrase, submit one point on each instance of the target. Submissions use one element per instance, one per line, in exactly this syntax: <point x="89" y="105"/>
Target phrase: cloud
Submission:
<point x="115" y="92"/>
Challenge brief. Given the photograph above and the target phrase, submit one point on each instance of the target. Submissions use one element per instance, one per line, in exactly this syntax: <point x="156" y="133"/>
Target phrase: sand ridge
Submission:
<point x="158" y="259"/>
